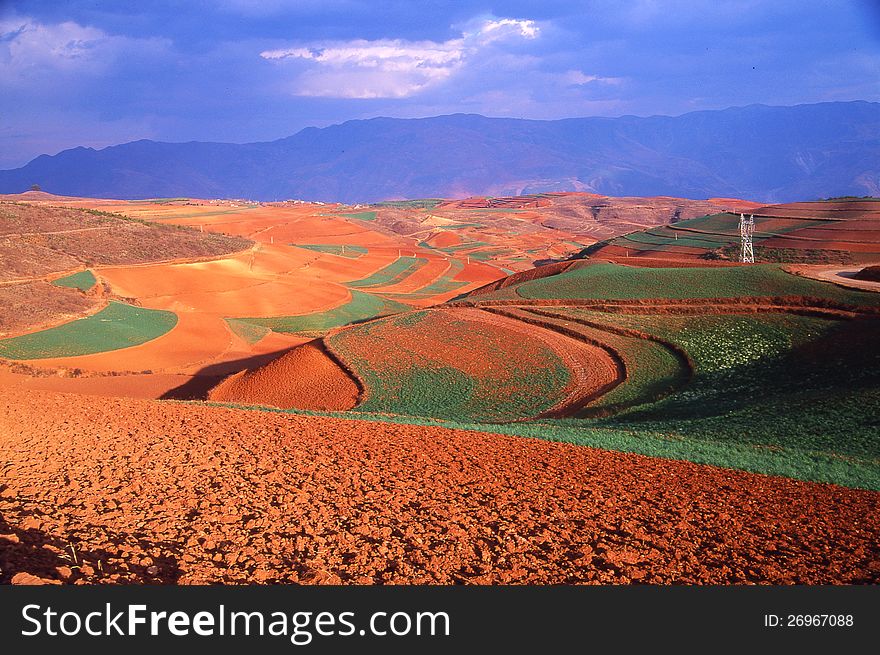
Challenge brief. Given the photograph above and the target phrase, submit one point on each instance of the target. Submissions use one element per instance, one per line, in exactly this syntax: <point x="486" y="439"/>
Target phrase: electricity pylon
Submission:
<point x="746" y="229"/>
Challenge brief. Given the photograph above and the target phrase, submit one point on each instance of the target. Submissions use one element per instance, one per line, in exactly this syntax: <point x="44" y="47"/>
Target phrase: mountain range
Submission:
<point x="768" y="154"/>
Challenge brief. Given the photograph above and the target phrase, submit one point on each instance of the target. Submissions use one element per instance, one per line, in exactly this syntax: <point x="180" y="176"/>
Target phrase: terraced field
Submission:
<point x="809" y="232"/>
<point x="612" y="281"/>
<point x="342" y="250"/>
<point x="444" y="284"/>
<point x="652" y="367"/>
<point x="750" y="368"/>
<point x="674" y="363"/>
<point x="361" y="216"/>
<point x="362" y="306"/>
<point x="452" y="365"/>
<point x="394" y="273"/>
<point x="117" y="326"/>
<point x="84" y="280"/>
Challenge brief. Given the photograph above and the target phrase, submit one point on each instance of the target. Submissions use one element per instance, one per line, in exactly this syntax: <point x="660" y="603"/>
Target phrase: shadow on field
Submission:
<point x="206" y="378"/>
<point x="54" y="559"/>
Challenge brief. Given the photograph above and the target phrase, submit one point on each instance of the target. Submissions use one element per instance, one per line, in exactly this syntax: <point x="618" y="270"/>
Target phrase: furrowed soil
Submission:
<point x="102" y="490"/>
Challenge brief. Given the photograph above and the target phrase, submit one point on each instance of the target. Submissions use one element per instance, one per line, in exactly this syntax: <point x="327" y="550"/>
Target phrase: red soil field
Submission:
<point x="444" y="239"/>
<point x="735" y="204"/>
<point x="593" y="370"/>
<point x="177" y="493"/>
<point x="303" y="378"/>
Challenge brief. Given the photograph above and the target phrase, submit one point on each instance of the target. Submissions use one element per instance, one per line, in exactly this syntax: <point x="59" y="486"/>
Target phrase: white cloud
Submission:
<point x="30" y="50"/>
<point x="492" y="30"/>
<point x="579" y="78"/>
<point x="393" y="68"/>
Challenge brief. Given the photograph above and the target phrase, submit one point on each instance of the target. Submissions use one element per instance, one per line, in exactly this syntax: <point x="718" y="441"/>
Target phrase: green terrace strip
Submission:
<point x="436" y="365"/>
<point x="727" y="224"/>
<point x="483" y="255"/>
<point x="250" y="332"/>
<point x="464" y="246"/>
<point x="444" y="284"/>
<point x="709" y="232"/>
<point x="613" y="281"/>
<point x="397" y="271"/>
<point x="652" y="369"/>
<point x="341" y="250"/>
<point x="773" y="380"/>
<point x="361" y="307"/>
<point x="84" y="280"/>
<point x="420" y="203"/>
<point x="457" y="226"/>
<point x="116" y="326"/>
<point x="361" y="216"/>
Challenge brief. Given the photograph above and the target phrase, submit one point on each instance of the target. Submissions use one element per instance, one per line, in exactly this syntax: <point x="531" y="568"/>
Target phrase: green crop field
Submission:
<point x="419" y="203"/>
<point x="433" y="364"/>
<point x="117" y="326"/>
<point x="397" y="271"/>
<point x="362" y="306"/>
<point x="84" y="280"/>
<point x="484" y="255"/>
<point x="613" y="281"/>
<point x="458" y="226"/>
<point x="727" y="224"/>
<point x="361" y="216"/>
<point x="671" y="237"/>
<point x="773" y="380"/>
<point x="341" y="250"/>
<point x="467" y="245"/>
<point x="652" y="369"/>
<point x="767" y="389"/>
<point x="773" y="393"/>
<point x="444" y="284"/>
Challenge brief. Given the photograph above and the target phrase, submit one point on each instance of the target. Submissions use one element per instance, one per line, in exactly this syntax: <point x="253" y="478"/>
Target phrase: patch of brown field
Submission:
<point x="105" y="239"/>
<point x="25" y="259"/>
<point x="306" y="377"/>
<point x="147" y="491"/>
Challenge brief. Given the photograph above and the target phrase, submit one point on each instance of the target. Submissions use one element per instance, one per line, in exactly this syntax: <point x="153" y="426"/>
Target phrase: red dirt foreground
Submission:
<point x="113" y="490"/>
<point x="304" y="378"/>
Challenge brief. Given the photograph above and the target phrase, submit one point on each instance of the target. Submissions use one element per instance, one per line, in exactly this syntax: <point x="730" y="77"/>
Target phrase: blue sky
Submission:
<point x="89" y="72"/>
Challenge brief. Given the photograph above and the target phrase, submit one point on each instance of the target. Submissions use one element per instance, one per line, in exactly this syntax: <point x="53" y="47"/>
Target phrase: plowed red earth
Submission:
<point x="146" y="491"/>
<point x="304" y="378"/>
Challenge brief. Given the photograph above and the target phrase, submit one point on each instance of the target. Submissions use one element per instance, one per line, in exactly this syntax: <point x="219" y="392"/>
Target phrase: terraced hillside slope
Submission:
<point x="48" y="256"/>
<point x="369" y="389"/>
<point x="751" y="367"/>
<point x="822" y="232"/>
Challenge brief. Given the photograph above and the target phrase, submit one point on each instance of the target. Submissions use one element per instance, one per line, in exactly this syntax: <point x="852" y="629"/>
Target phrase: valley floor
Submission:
<point x="122" y="490"/>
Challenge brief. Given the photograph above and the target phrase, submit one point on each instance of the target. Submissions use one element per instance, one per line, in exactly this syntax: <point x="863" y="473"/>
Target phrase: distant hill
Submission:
<point x="770" y="154"/>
